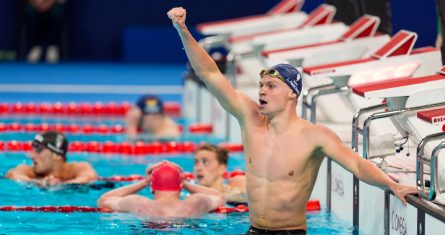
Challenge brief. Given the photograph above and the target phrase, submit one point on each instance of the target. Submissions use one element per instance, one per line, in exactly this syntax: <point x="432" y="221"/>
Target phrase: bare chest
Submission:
<point x="274" y="158"/>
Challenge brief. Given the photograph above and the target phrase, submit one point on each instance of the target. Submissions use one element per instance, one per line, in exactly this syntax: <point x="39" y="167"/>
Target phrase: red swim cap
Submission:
<point x="166" y="177"/>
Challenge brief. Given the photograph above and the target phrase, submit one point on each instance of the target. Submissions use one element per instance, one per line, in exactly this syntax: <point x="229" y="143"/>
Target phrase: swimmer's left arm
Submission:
<point x="118" y="199"/>
<point x="364" y="170"/>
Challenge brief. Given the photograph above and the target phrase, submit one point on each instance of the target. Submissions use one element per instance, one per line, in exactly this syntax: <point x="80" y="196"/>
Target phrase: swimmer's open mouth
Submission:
<point x="199" y="177"/>
<point x="262" y="102"/>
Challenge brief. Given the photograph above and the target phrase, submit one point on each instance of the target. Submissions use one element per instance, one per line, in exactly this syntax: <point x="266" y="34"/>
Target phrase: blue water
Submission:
<point x="123" y="223"/>
<point x="26" y="194"/>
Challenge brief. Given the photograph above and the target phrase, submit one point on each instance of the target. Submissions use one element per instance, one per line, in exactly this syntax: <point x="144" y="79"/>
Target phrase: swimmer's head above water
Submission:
<point x="287" y="74"/>
<point x="48" y="148"/>
<point x="166" y="177"/>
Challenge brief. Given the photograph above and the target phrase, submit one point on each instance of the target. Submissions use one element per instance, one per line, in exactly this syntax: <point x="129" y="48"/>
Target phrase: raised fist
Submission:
<point x="177" y="15"/>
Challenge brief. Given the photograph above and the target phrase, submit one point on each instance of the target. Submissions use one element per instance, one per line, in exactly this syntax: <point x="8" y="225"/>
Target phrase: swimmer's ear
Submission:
<point x="57" y="157"/>
<point x="292" y="95"/>
<point x="222" y="169"/>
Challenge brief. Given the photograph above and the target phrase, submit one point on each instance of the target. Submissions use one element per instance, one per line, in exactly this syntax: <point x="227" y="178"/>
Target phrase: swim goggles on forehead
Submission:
<point x="39" y="147"/>
<point x="272" y="73"/>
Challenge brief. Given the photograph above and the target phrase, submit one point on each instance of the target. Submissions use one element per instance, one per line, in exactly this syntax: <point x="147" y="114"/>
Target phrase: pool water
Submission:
<point x="26" y="194"/>
<point x="124" y="223"/>
<point x="21" y="194"/>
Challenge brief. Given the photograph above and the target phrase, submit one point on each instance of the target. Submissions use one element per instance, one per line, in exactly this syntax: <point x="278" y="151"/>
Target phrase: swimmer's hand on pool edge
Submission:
<point x="401" y="191"/>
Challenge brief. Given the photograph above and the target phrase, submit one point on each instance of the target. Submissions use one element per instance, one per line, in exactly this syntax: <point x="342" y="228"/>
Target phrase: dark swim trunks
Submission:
<point x="257" y="231"/>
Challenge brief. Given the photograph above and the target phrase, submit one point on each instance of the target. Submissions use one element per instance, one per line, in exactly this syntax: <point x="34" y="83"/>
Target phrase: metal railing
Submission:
<point x="306" y="93"/>
<point x="421" y="161"/>
<point x="356" y="130"/>
<point x="312" y="106"/>
<point x="381" y="115"/>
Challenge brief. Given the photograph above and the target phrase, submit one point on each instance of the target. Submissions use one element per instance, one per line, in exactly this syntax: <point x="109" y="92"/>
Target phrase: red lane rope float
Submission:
<point x="195" y="128"/>
<point x="120" y="178"/>
<point x="200" y="128"/>
<point x="232" y="147"/>
<point x="72" y="108"/>
<point x="313" y="205"/>
<point x="72" y="209"/>
<point x="227" y="210"/>
<point x="185" y="175"/>
<point x="63" y="209"/>
<point x="138" y="148"/>
<point x="67" y="128"/>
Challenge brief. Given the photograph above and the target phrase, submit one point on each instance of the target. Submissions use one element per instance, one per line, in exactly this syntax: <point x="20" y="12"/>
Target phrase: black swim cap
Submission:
<point x="55" y="141"/>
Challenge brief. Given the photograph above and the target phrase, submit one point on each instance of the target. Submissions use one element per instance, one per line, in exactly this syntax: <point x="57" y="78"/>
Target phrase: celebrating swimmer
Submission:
<point x="283" y="152"/>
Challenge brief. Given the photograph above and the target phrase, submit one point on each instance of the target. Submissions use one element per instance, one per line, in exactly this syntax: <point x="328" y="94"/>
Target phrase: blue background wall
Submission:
<point x="139" y="31"/>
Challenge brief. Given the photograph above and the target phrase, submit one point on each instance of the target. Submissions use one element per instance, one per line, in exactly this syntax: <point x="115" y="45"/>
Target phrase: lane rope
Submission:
<point x="126" y="148"/>
<point x="84" y="108"/>
<point x="194" y="128"/>
<point x="72" y="209"/>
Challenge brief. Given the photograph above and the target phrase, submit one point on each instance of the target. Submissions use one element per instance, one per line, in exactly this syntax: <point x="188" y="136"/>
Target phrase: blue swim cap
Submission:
<point x="288" y="74"/>
<point x="150" y="104"/>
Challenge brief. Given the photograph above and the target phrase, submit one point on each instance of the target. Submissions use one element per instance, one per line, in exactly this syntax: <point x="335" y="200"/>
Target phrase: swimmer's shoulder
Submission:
<point x="307" y="127"/>
<point x="79" y="167"/>
<point x="78" y="164"/>
<point x="319" y="134"/>
<point x="21" y="169"/>
<point x="236" y="183"/>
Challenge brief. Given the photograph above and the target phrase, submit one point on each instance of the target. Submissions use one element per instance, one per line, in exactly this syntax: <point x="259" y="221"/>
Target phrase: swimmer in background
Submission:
<point x="50" y="166"/>
<point x="166" y="183"/>
<point x="149" y="117"/>
<point x="209" y="169"/>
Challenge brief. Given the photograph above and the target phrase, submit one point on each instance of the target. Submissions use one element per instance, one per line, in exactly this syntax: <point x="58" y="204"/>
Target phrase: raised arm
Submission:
<point x="207" y="70"/>
<point x="122" y="199"/>
<point x="364" y="170"/>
